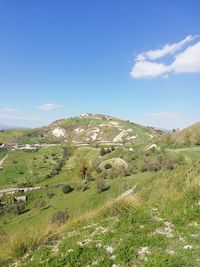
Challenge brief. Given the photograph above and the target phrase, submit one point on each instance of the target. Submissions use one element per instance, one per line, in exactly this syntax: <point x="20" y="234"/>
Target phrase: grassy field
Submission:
<point x="26" y="168"/>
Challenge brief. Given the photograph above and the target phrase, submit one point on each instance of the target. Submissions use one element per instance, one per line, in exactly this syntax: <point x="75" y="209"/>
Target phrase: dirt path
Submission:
<point x="2" y="161"/>
<point x="4" y="192"/>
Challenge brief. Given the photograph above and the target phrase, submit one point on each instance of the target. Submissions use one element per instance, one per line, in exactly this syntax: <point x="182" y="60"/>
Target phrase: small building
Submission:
<point x="19" y="199"/>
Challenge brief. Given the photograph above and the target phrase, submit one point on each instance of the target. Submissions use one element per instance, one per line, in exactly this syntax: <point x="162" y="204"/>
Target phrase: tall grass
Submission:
<point x="18" y="245"/>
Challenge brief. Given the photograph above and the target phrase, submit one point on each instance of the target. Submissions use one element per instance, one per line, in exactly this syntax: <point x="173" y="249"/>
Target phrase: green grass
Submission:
<point x="172" y="194"/>
<point x="29" y="167"/>
<point x="3" y="153"/>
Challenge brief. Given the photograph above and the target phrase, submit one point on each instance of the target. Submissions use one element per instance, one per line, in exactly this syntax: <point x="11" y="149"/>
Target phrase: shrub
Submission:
<point x="168" y="164"/>
<point x="16" y="209"/>
<point x="108" y="166"/>
<point x="50" y="194"/>
<point x="153" y="165"/>
<point x="39" y="204"/>
<point x="150" y="165"/>
<point x="98" y="170"/>
<point x="82" y="187"/>
<point x="103" y="152"/>
<point x="101" y="186"/>
<point x="60" y="217"/>
<point x="67" y="189"/>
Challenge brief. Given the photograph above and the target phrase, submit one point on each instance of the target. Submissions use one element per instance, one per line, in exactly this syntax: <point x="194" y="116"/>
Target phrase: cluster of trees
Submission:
<point x="60" y="162"/>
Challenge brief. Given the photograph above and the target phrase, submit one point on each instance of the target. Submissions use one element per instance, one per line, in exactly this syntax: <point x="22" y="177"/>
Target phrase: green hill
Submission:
<point x="84" y="129"/>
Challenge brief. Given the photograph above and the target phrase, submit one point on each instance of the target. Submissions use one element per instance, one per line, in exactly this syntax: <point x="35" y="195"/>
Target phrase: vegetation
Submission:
<point x="132" y="204"/>
<point x="60" y="217"/>
<point x="67" y="189"/>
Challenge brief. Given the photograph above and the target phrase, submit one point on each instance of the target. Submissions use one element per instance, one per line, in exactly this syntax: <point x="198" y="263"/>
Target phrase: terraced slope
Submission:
<point x="82" y="130"/>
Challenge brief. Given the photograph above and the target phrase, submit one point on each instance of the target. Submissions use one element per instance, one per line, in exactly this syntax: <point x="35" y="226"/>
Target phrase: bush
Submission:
<point x="101" y="186"/>
<point x="50" y="194"/>
<point x="103" y="152"/>
<point x="16" y="209"/>
<point x="150" y="165"/>
<point x="39" y="204"/>
<point x="67" y="189"/>
<point x="82" y="187"/>
<point x="108" y="166"/>
<point x="168" y="164"/>
<point x="98" y="170"/>
<point x="60" y="217"/>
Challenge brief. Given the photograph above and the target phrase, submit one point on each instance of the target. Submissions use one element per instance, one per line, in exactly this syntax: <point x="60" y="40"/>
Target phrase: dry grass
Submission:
<point x="17" y="245"/>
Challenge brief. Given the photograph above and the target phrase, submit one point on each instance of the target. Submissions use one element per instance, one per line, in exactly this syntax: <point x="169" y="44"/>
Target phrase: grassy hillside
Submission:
<point x="188" y="136"/>
<point x="157" y="225"/>
<point x="27" y="168"/>
<point x="102" y="205"/>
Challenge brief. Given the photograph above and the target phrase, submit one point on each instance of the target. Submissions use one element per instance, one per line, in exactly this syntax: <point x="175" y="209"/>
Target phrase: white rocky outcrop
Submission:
<point x="79" y="130"/>
<point x="59" y="132"/>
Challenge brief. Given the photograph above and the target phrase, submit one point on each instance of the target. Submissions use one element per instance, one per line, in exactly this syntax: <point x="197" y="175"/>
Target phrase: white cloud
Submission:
<point x="187" y="61"/>
<point x="147" y="69"/>
<point x="167" y="49"/>
<point x="50" y="106"/>
<point x="163" y="115"/>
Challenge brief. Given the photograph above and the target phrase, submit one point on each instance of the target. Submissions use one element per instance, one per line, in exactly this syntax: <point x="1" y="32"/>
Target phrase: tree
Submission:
<point x="84" y="171"/>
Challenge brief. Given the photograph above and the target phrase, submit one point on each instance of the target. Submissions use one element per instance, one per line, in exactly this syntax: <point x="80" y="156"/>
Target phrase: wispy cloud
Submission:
<point x="167" y="49"/>
<point x="9" y="109"/>
<point x="21" y="118"/>
<point x="163" y="115"/>
<point x="49" y="106"/>
<point x="187" y="61"/>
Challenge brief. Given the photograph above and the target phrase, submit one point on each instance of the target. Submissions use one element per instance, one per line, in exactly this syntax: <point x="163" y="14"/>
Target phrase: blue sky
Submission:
<point x="136" y="60"/>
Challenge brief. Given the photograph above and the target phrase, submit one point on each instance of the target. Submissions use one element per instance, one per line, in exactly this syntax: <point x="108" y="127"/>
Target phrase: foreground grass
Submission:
<point x="158" y="226"/>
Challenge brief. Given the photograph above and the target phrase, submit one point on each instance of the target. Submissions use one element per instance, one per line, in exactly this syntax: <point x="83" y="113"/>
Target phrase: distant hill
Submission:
<point x="84" y="129"/>
<point x="7" y="127"/>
